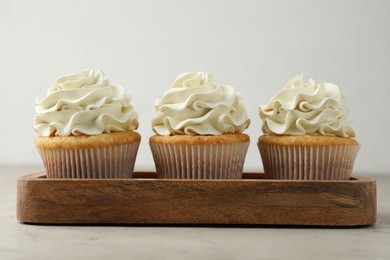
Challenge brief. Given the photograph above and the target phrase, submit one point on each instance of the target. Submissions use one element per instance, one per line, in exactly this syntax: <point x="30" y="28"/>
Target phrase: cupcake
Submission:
<point x="198" y="130"/>
<point x="85" y="128"/>
<point x="306" y="133"/>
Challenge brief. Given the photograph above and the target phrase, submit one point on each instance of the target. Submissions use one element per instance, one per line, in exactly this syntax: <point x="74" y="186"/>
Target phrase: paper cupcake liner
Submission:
<point x="204" y="161"/>
<point x="116" y="161"/>
<point x="333" y="162"/>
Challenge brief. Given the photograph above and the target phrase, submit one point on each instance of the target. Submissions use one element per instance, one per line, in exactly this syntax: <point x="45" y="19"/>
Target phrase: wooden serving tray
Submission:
<point x="147" y="200"/>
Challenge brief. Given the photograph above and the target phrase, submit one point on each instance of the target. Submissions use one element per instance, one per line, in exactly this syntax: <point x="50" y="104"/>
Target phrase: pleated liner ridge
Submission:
<point x="116" y="161"/>
<point x="203" y="161"/>
<point x="333" y="162"/>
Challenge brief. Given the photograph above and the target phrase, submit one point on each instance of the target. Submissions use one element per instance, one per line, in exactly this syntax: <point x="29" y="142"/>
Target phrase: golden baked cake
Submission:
<point x="198" y="129"/>
<point x="306" y="133"/>
<point x="85" y="128"/>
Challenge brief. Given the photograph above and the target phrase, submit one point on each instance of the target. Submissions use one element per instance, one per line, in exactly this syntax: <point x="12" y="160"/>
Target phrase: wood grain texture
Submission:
<point x="146" y="200"/>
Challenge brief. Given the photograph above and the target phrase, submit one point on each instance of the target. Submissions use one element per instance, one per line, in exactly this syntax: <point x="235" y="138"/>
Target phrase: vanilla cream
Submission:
<point x="197" y="106"/>
<point x="314" y="109"/>
<point x="84" y="103"/>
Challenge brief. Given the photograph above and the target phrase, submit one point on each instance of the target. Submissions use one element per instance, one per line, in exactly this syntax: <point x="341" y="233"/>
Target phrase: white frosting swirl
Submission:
<point x="196" y="106"/>
<point x="84" y="103"/>
<point x="309" y="108"/>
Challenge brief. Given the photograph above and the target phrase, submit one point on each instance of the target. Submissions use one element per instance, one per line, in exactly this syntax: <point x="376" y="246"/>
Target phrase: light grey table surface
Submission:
<point x="22" y="241"/>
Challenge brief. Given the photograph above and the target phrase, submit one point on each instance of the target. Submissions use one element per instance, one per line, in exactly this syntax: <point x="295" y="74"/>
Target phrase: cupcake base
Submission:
<point x="308" y="157"/>
<point x="199" y="157"/>
<point x="103" y="156"/>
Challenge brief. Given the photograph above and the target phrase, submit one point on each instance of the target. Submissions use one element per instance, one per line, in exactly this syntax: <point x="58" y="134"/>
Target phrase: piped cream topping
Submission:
<point x="196" y="106"/>
<point x="313" y="109"/>
<point x="84" y="103"/>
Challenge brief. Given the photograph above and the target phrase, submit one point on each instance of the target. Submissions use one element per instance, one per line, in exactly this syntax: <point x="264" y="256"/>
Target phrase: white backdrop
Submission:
<point x="255" y="46"/>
